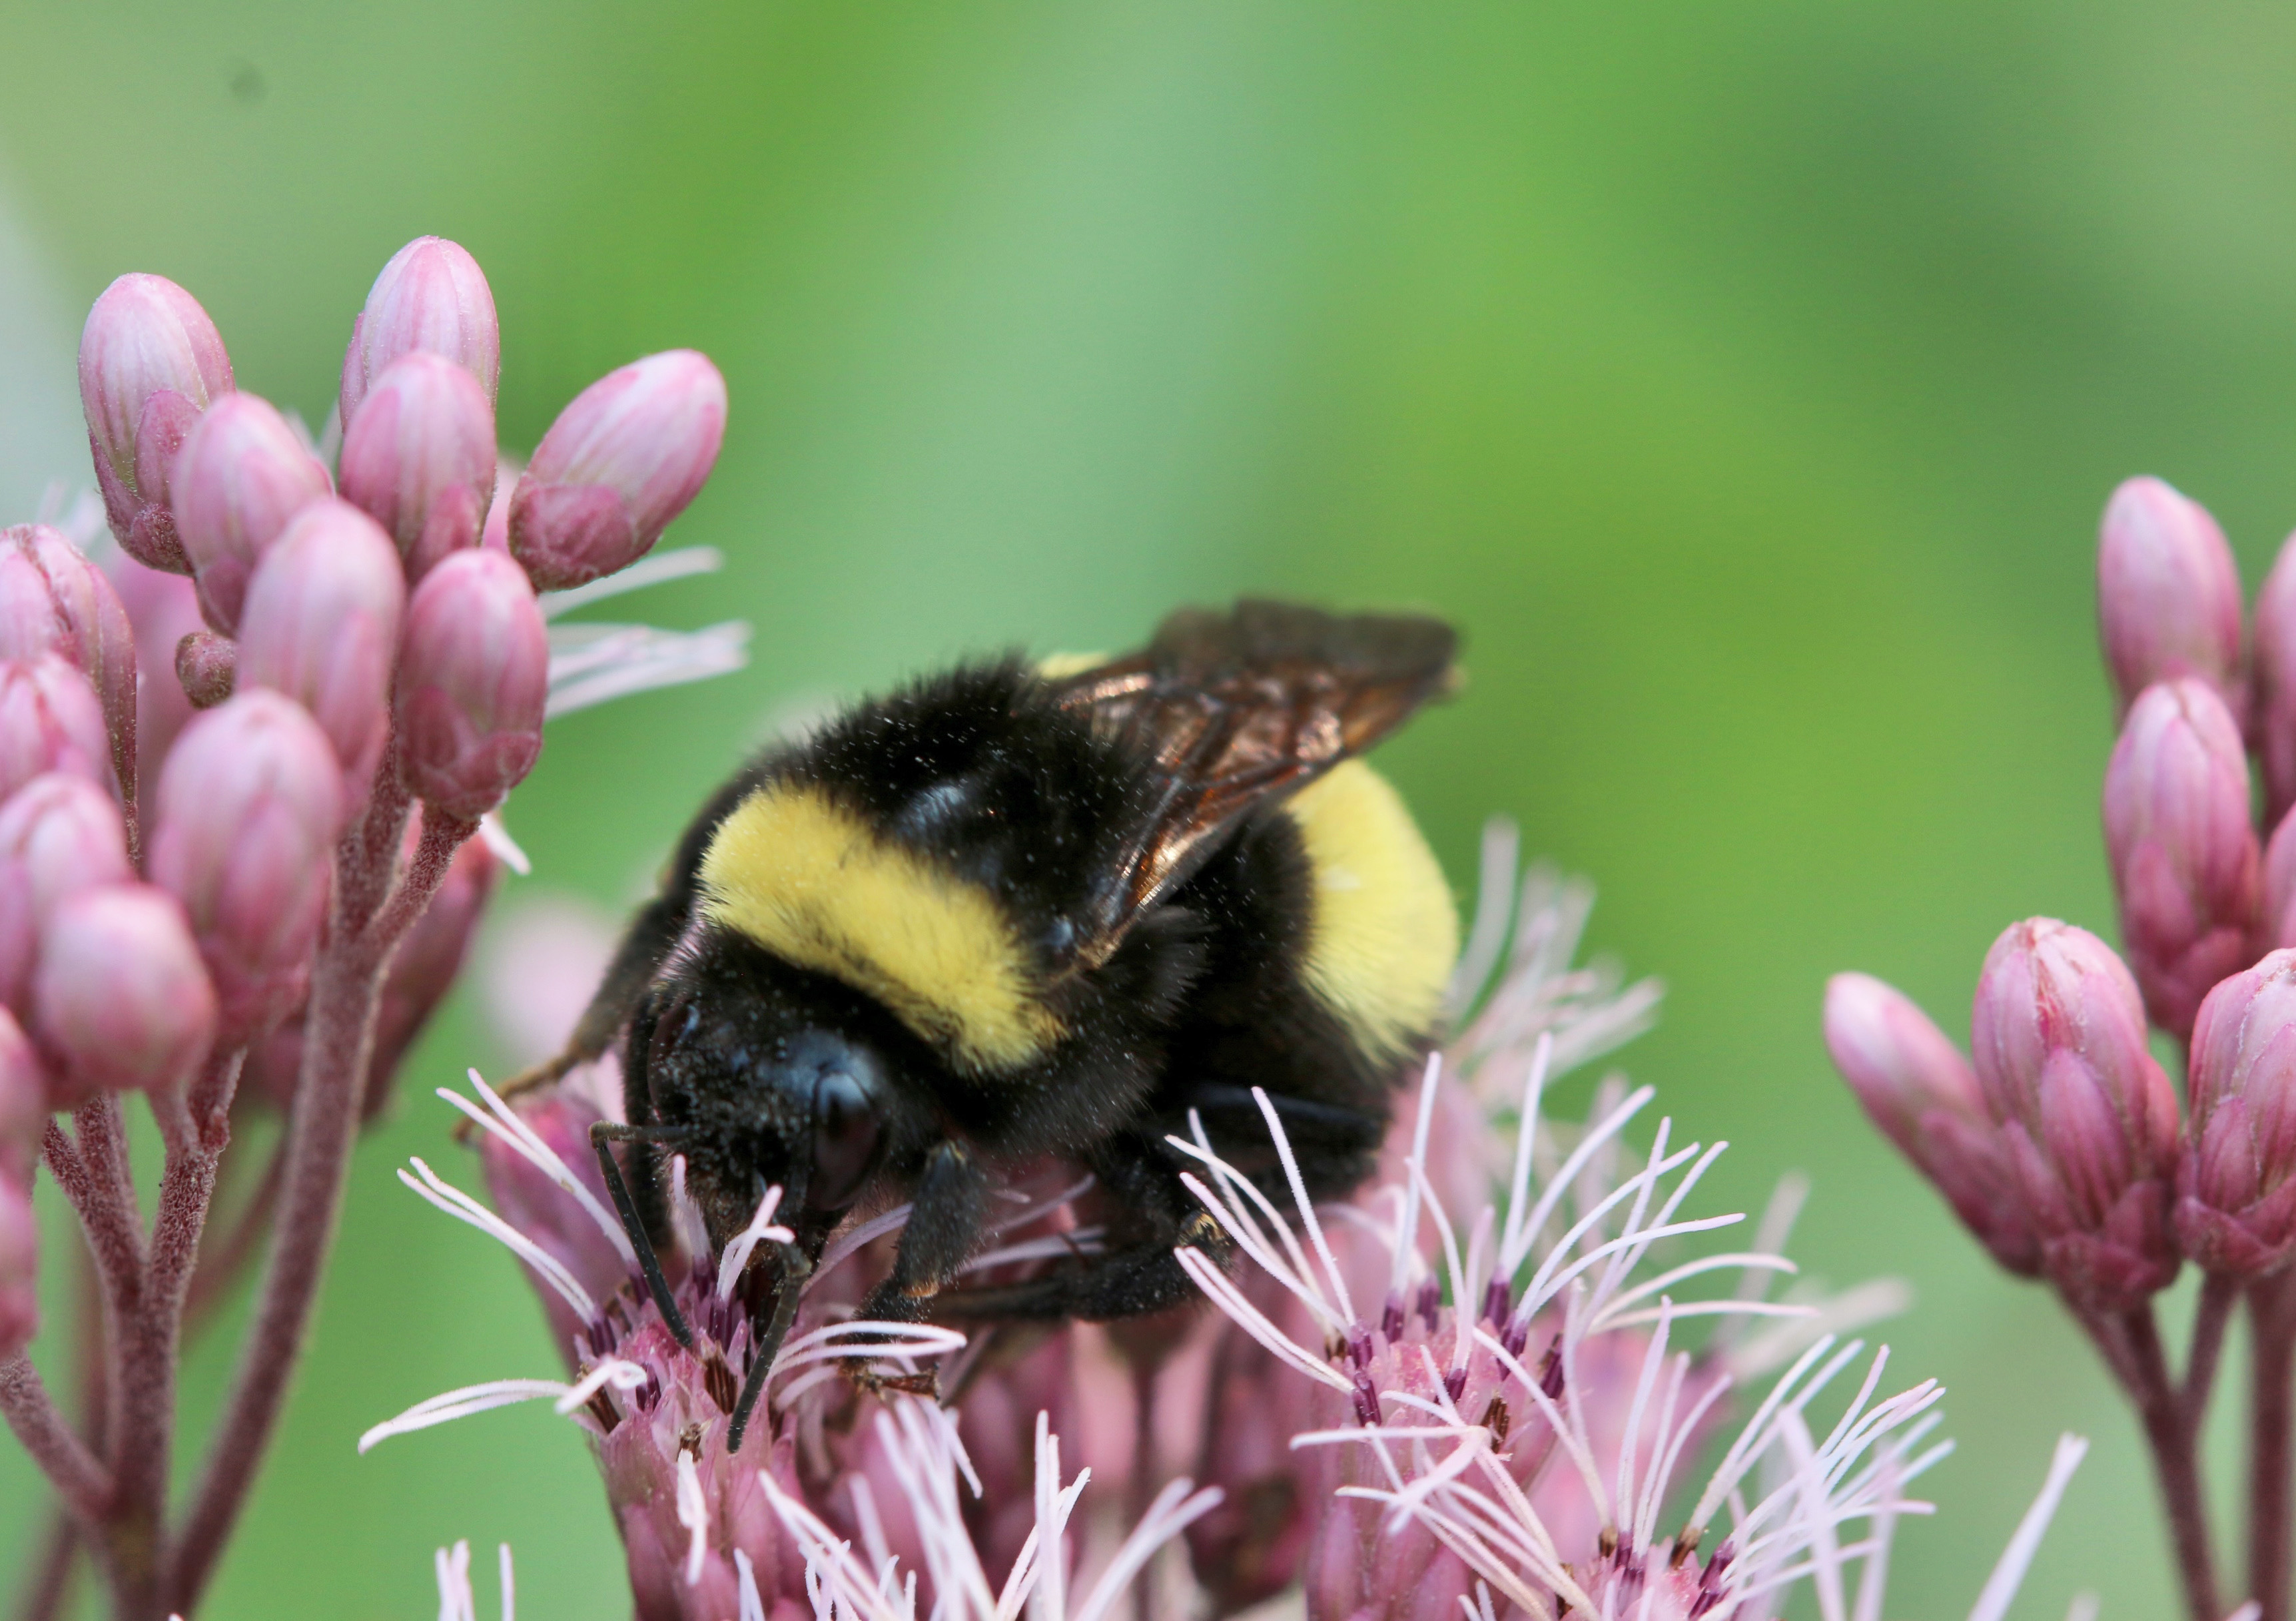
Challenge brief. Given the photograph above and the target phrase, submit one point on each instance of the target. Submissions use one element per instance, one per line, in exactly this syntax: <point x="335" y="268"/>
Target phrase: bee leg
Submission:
<point x="1140" y="1273"/>
<point x="944" y="1226"/>
<point x="603" y="1134"/>
<point x="766" y="1342"/>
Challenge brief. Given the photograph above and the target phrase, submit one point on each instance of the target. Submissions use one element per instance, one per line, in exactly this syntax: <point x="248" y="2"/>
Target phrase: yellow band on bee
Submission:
<point x="814" y="884"/>
<point x="1385" y="933"/>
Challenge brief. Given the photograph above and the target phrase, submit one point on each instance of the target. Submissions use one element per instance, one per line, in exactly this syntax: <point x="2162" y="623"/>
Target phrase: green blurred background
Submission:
<point x="1746" y="379"/>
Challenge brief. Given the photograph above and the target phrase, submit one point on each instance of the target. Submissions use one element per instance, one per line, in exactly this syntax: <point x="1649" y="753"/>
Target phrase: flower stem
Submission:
<point x="2218" y="1296"/>
<point x="2272" y="1328"/>
<point x="2173" y="1439"/>
<point x="82" y="1484"/>
<point x="338" y="1038"/>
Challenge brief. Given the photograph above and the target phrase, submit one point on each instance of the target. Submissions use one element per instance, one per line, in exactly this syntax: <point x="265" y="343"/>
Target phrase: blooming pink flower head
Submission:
<point x="474" y="675"/>
<point x="50" y="720"/>
<point x="421" y="458"/>
<point x="52" y="600"/>
<point x="2167" y="594"/>
<point x="2236" y="1183"/>
<point x="119" y="995"/>
<point x="150" y="362"/>
<point x="432" y="296"/>
<point x="1922" y="1095"/>
<point x="163" y="609"/>
<point x="243" y="475"/>
<point x="619" y="463"/>
<point x="59" y="833"/>
<point x="2184" y="853"/>
<point x="321" y="625"/>
<point x="250" y="806"/>
<point x="2088" y="1116"/>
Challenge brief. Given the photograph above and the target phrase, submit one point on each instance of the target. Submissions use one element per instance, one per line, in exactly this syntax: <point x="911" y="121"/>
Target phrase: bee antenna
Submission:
<point x="602" y="1133"/>
<point x="766" y="1344"/>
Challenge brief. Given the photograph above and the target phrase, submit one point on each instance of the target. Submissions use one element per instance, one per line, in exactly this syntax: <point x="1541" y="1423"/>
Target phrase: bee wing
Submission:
<point x="1235" y="710"/>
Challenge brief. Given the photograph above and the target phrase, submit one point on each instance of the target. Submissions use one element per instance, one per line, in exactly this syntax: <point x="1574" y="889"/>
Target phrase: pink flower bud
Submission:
<point x="150" y="362"/>
<point x="321" y="625"/>
<point x="53" y="601"/>
<point x="1917" y="1087"/>
<point x="2236" y="1183"/>
<point x="20" y="1266"/>
<point x="119" y="995"/>
<point x="2089" y="1119"/>
<point x="249" y="805"/>
<point x="50" y="721"/>
<point x="23" y="1103"/>
<point x="2168" y="593"/>
<point x="2272" y="715"/>
<point x="243" y="474"/>
<point x="421" y="458"/>
<point x="59" y="834"/>
<point x="473" y="674"/>
<point x="433" y="297"/>
<point x="207" y="667"/>
<point x="2183" y="853"/>
<point x="618" y="464"/>
<point x="164" y="608"/>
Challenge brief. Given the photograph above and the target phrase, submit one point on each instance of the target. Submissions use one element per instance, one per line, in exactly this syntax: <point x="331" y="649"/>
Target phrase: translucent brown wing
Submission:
<point x="1236" y="709"/>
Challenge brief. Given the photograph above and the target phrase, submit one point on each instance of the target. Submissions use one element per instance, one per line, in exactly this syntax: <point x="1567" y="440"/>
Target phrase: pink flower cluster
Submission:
<point x="2060" y="1141"/>
<point x="241" y="761"/>
<point x="1402" y="1412"/>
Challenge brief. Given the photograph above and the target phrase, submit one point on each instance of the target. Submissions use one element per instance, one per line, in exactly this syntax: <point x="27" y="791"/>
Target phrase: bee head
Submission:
<point x="765" y="1096"/>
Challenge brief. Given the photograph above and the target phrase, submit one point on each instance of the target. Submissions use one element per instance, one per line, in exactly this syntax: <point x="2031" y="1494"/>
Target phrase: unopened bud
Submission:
<point x="618" y="464"/>
<point x="59" y="834"/>
<point x="321" y="625"/>
<point x="243" y="474"/>
<point x="150" y="362"/>
<point x="2236" y="1183"/>
<point x="119" y="995"/>
<point x="164" y="608"/>
<point x="2168" y="593"/>
<point x="1917" y="1087"/>
<point x="421" y="458"/>
<point x="2184" y="855"/>
<point x="20" y="1266"/>
<point x="2272" y="715"/>
<point x="432" y="296"/>
<point x="249" y="805"/>
<point x="50" y="720"/>
<point x="52" y="600"/>
<point x="23" y="1103"/>
<point x="2087" y="1117"/>
<point x="474" y="675"/>
<point x="207" y="667"/>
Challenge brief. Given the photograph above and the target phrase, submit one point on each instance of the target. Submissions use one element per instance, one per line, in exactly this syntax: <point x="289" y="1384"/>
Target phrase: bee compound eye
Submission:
<point x="845" y="1135"/>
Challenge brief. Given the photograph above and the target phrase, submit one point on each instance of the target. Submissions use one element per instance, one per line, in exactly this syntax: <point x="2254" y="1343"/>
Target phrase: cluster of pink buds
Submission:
<point x="242" y="761"/>
<point x="2061" y="1143"/>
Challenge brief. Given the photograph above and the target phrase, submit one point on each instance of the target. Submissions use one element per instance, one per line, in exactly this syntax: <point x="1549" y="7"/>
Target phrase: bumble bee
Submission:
<point x="1012" y="911"/>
